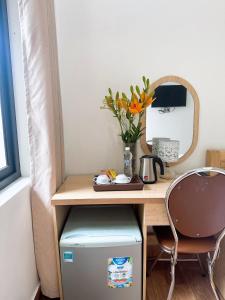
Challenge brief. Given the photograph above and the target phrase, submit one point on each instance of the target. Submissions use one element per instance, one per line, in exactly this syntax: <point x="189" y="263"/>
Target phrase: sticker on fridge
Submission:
<point x="68" y="256"/>
<point x="120" y="272"/>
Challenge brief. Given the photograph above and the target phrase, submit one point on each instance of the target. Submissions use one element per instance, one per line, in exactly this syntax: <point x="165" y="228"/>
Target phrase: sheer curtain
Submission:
<point x="45" y="129"/>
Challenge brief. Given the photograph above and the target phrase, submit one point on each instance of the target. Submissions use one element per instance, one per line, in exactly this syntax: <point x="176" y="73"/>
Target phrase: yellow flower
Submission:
<point x="143" y="95"/>
<point x="109" y="102"/>
<point x="122" y="103"/>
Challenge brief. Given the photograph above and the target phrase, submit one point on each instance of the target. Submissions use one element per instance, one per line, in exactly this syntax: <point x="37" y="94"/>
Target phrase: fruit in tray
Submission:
<point x="111" y="173"/>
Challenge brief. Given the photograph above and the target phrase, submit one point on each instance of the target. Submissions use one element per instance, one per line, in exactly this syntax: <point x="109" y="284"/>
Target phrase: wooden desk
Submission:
<point x="77" y="190"/>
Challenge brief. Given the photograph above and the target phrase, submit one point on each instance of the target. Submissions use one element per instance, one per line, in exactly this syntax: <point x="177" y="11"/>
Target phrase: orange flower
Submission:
<point x="146" y="99"/>
<point x="135" y="106"/>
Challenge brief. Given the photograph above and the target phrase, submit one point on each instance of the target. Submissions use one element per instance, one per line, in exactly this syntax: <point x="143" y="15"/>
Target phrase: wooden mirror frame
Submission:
<point x="147" y="148"/>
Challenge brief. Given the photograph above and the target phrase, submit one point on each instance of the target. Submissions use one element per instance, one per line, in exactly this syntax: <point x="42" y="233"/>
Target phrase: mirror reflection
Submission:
<point x="170" y="122"/>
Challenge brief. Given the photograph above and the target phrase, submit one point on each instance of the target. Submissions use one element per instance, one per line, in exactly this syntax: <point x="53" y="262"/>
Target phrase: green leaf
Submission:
<point x="124" y="95"/>
<point x="144" y="79"/>
<point x="117" y="95"/>
<point x="138" y="90"/>
<point x="131" y="89"/>
<point x="110" y="91"/>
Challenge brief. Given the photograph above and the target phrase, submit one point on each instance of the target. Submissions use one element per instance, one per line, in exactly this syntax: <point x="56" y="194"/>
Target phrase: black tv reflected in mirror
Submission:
<point x="170" y="96"/>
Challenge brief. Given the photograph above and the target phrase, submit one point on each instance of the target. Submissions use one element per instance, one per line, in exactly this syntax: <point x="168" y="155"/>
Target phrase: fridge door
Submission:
<point x="106" y="273"/>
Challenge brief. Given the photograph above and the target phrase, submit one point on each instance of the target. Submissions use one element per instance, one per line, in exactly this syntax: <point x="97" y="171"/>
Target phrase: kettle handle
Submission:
<point x="160" y="163"/>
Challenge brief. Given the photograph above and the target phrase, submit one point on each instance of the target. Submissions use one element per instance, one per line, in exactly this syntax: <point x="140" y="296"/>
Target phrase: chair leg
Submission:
<point x="172" y="273"/>
<point x="154" y="262"/>
<point x="210" y="269"/>
<point x="203" y="271"/>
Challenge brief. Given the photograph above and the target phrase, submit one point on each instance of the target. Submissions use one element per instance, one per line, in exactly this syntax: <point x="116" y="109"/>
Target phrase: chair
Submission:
<point x="195" y="204"/>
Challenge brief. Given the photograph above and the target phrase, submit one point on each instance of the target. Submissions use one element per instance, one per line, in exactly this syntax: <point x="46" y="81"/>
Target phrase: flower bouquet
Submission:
<point x="129" y="112"/>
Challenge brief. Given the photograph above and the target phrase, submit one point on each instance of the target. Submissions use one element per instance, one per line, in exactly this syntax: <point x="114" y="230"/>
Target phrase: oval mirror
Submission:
<point x="171" y="123"/>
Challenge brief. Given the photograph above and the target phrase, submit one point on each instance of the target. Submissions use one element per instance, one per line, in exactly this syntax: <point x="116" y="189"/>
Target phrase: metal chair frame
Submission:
<point x="157" y="258"/>
<point x="211" y="257"/>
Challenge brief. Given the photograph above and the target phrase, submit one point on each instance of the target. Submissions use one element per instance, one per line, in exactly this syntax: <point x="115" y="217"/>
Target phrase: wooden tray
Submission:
<point x="135" y="184"/>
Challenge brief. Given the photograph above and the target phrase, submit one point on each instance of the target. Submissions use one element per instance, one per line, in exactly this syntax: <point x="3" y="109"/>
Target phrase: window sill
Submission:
<point x="13" y="189"/>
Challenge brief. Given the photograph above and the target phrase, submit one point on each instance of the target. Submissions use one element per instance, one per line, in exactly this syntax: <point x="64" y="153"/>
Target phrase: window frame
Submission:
<point x="12" y="171"/>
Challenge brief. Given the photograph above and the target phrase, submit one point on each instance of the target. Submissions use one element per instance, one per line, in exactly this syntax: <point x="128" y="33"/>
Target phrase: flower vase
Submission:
<point x="133" y="150"/>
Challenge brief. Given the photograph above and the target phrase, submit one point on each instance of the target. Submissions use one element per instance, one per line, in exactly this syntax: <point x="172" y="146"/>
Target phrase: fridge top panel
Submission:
<point x="101" y="226"/>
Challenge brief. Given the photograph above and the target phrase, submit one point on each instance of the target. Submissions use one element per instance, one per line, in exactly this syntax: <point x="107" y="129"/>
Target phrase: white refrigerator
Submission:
<point x="101" y="254"/>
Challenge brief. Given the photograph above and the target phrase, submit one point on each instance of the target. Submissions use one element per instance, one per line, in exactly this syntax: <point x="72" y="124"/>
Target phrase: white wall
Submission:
<point x="18" y="276"/>
<point x="112" y="44"/>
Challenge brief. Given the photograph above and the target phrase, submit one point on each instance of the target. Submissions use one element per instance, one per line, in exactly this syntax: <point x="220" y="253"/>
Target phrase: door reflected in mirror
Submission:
<point x="172" y="120"/>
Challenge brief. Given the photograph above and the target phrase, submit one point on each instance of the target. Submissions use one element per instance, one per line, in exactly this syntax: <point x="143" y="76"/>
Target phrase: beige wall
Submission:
<point x="112" y="44"/>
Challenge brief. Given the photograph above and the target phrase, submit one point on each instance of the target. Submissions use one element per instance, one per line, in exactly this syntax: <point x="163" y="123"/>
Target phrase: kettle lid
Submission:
<point x="149" y="156"/>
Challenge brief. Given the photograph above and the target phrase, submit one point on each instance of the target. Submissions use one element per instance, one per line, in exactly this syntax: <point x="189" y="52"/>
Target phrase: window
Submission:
<point x="9" y="158"/>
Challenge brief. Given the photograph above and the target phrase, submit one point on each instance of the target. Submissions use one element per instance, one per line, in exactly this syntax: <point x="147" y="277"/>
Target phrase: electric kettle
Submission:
<point x="148" y="171"/>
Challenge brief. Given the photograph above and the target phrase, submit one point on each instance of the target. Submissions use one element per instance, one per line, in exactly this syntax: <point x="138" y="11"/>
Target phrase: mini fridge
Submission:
<point x="101" y="254"/>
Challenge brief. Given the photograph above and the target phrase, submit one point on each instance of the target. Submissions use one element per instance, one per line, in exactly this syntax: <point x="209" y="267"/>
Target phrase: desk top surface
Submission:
<point x="78" y="190"/>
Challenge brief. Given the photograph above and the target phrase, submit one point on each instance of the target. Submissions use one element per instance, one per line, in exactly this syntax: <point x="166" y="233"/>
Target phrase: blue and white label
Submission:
<point x="68" y="256"/>
<point x="120" y="272"/>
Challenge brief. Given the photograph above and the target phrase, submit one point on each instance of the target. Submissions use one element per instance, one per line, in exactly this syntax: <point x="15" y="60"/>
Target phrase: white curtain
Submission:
<point x="45" y="129"/>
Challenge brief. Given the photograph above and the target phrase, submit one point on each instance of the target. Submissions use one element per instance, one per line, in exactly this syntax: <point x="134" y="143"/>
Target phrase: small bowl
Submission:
<point x="122" y="179"/>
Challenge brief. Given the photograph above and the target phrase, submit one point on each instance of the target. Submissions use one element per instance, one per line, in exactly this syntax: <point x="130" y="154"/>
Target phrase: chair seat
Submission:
<point x="185" y="244"/>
